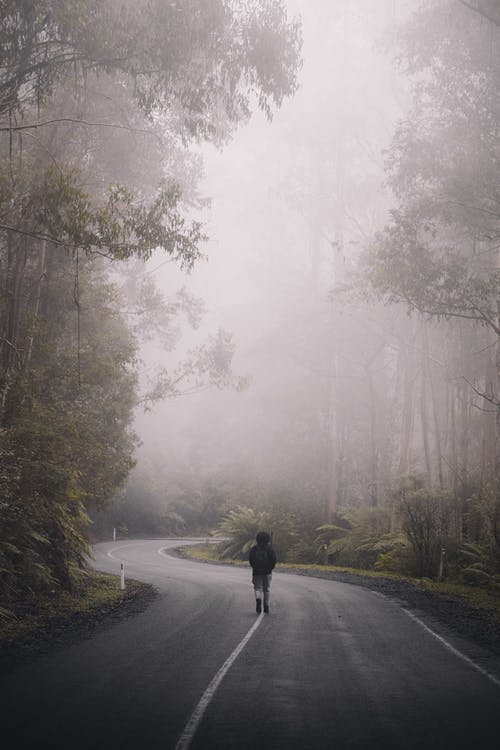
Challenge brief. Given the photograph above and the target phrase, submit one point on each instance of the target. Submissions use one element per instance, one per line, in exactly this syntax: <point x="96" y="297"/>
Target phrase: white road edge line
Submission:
<point x="189" y="730"/>
<point x="456" y="652"/>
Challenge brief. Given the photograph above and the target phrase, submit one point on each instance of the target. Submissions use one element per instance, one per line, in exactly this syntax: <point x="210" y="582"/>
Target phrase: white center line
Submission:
<point x="189" y="730"/>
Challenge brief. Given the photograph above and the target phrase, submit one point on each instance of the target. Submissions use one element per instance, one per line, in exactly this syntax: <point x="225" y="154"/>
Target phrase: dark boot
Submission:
<point x="258" y="602"/>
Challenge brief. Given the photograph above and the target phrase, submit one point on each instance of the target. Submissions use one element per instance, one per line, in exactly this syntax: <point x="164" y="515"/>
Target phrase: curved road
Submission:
<point x="332" y="666"/>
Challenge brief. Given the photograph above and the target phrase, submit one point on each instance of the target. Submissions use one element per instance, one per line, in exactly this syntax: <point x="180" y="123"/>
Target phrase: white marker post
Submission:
<point x="442" y="557"/>
<point x="114" y="534"/>
<point x="122" y="577"/>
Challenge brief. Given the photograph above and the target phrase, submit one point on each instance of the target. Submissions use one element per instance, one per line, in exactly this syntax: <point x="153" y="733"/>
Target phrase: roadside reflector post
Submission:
<point x="442" y="557"/>
<point x="114" y="534"/>
<point x="122" y="577"/>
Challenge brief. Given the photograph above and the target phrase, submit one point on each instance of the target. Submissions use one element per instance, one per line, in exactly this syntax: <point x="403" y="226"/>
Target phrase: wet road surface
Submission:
<point x="333" y="666"/>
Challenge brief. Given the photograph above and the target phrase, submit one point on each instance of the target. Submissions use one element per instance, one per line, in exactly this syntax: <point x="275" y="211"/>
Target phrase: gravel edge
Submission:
<point x="56" y="632"/>
<point x="462" y="619"/>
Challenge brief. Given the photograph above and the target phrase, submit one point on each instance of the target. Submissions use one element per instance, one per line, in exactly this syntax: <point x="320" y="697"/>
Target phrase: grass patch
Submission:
<point x="205" y="553"/>
<point x="101" y="592"/>
<point x="483" y="600"/>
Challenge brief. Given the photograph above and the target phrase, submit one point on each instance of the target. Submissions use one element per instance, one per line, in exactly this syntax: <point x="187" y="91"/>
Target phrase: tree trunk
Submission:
<point x="437" y="431"/>
<point x="463" y="459"/>
<point x="11" y="356"/>
<point x="423" y="410"/>
<point x="374" y="457"/>
<point x="490" y="417"/>
<point x="332" y="501"/>
<point x="41" y="270"/>
<point x="453" y="440"/>
<point x="407" y="417"/>
<point x="407" y="363"/>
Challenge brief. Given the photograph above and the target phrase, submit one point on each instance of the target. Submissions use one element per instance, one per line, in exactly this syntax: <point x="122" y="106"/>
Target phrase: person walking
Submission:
<point x="262" y="559"/>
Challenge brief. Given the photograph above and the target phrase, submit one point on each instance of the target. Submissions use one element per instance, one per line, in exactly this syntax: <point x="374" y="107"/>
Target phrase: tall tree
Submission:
<point x="156" y="76"/>
<point x="439" y="253"/>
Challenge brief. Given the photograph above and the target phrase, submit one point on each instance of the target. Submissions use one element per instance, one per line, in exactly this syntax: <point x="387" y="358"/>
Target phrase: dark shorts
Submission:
<point x="261" y="582"/>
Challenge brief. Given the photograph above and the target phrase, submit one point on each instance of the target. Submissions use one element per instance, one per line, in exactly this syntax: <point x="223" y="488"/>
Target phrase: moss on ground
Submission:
<point x="205" y="553"/>
<point x="101" y="593"/>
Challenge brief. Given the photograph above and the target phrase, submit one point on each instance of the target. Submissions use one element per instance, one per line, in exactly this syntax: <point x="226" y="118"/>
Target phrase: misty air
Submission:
<point x="250" y="374"/>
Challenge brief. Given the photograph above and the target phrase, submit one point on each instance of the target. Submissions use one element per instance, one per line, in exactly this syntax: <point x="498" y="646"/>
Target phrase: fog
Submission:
<point x="292" y="201"/>
<point x="342" y="396"/>
<point x="249" y="266"/>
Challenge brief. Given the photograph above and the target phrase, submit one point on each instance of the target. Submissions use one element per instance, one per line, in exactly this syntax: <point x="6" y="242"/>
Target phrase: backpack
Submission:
<point x="261" y="556"/>
<point x="262" y="559"/>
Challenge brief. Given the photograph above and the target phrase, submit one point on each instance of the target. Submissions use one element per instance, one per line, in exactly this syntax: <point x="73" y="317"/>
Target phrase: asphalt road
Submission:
<point x="333" y="666"/>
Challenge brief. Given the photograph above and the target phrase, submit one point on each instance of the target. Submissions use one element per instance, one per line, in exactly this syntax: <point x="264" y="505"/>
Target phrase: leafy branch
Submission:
<point x="76" y="121"/>
<point x="207" y="366"/>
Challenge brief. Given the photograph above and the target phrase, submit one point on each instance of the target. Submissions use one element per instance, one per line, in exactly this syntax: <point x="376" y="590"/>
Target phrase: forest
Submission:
<point x="347" y="400"/>
<point x="99" y="103"/>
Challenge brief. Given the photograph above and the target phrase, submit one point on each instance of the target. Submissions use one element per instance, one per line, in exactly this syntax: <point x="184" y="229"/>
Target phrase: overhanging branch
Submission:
<point x="491" y="399"/>
<point x="34" y="235"/>
<point x="74" y="121"/>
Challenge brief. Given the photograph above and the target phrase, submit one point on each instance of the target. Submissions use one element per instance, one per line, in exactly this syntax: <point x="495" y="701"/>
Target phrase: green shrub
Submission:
<point x="394" y="554"/>
<point x="475" y="577"/>
<point x="426" y="522"/>
<point x="302" y="551"/>
<point x="476" y="565"/>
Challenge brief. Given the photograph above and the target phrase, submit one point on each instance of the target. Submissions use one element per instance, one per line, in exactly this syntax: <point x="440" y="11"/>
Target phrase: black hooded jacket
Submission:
<point x="262" y="559"/>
